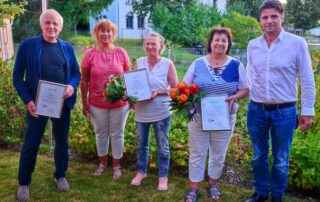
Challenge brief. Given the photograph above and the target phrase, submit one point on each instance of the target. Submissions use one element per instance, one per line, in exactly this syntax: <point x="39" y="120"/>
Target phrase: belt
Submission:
<point x="266" y="106"/>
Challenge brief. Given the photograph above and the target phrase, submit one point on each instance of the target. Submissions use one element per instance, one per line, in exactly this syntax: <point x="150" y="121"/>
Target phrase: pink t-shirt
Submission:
<point x="102" y="65"/>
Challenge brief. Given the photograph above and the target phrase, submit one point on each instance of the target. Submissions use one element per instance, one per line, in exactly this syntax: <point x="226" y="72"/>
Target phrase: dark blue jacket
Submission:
<point x="27" y="70"/>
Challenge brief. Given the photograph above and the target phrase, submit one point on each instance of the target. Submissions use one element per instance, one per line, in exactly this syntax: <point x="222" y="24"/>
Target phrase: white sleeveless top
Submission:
<point x="157" y="108"/>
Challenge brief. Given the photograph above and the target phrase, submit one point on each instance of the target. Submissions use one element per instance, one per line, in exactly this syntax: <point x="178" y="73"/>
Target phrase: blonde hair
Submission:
<point x="160" y="38"/>
<point x="104" y="24"/>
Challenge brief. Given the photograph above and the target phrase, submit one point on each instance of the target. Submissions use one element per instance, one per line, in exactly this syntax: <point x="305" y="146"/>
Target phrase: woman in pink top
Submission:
<point x="108" y="118"/>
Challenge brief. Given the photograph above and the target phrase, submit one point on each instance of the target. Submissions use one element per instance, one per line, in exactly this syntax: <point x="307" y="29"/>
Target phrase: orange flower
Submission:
<point x="194" y="89"/>
<point x="182" y="86"/>
<point x="173" y="93"/>
<point x="187" y="91"/>
<point x="182" y="98"/>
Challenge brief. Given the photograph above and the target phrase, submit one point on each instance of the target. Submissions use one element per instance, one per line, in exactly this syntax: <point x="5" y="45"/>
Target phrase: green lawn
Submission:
<point x="85" y="187"/>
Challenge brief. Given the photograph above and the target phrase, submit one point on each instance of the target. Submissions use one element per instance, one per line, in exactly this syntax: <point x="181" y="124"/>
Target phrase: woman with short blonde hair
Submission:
<point x="108" y="118"/>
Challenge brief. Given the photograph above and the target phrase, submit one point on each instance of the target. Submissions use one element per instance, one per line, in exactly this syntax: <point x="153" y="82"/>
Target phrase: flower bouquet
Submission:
<point x="115" y="90"/>
<point x="183" y="98"/>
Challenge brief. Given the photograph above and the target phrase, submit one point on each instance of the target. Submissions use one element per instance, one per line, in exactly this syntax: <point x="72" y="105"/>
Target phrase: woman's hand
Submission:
<point x="85" y="109"/>
<point x="159" y="93"/>
<point x="231" y="99"/>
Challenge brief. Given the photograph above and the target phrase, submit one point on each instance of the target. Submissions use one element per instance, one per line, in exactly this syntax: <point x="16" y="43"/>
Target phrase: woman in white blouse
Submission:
<point x="162" y="75"/>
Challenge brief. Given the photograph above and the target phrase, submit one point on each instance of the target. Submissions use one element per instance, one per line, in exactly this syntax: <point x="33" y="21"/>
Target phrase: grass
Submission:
<point x="85" y="187"/>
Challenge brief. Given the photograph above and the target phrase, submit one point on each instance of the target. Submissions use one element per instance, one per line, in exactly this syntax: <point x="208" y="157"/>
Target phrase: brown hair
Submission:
<point x="104" y="24"/>
<point x="275" y="4"/>
<point x="220" y="30"/>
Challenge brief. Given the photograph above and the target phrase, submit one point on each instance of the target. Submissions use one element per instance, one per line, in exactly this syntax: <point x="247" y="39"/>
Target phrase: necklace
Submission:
<point x="217" y="62"/>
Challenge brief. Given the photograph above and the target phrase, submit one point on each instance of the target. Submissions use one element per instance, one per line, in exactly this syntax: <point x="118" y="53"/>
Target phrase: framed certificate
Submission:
<point x="137" y="84"/>
<point x="215" y="113"/>
<point x="49" y="100"/>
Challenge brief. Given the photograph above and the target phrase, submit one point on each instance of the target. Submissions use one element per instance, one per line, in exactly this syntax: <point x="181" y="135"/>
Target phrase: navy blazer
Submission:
<point x="27" y="70"/>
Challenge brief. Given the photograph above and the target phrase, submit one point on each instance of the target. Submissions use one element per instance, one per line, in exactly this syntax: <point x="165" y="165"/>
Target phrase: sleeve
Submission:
<point x="306" y="77"/>
<point x="243" y="82"/>
<point x="85" y="59"/>
<point x="19" y="71"/>
<point x="188" y="77"/>
<point x="75" y="73"/>
<point x="249" y="65"/>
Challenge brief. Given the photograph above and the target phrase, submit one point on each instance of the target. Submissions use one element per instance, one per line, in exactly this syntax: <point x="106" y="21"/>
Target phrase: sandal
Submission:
<point x="213" y="191"/>
<point x="101" y="168"/>
<point x="116" y="172"/>
<point x="192" y="194"/>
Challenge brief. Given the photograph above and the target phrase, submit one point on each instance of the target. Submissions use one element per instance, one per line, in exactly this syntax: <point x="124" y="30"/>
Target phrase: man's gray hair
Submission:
<point x="160" y="38"/>
<point x="51" y="11"/>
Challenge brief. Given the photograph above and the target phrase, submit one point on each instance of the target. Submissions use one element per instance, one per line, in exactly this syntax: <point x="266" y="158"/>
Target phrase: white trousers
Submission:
<point x="109" y="124"/>
<point x="200" y="141"/>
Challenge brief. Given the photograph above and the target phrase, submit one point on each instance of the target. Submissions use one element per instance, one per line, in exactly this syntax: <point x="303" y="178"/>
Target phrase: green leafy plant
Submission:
<point x="115" y="90"/>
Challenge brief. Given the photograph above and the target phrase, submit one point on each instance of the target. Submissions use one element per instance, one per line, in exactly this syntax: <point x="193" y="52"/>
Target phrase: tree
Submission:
<point x="184" y="28"/>
<point x="8" y="9"/>
<point x="244" y="28"/>
<point x="303" y="14"/>
<point x="144" y="7"/>
<point x="72" y="11"/>
<point x="245" y="7"/>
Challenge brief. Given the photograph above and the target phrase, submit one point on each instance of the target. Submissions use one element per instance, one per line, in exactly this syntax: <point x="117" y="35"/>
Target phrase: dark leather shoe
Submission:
<point x="276" y="199"/>
<point x="256" y="198"/>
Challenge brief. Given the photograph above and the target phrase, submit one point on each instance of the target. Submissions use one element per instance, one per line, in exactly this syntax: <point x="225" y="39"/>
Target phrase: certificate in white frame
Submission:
<point x="215" y="113"/>
<point x="49" y="100"/>
<point x="137" y="84"/>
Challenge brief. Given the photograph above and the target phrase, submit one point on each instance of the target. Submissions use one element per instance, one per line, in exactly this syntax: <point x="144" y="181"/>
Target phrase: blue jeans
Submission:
<point x="161" y="130"/>
<point x="279" y="124"/>
<point x="32" y="140"/>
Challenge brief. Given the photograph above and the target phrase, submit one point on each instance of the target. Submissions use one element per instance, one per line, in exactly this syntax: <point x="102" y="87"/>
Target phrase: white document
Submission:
<point x="137" y="84"/>
<point x="49" y="100"/>
<point x="215" y="113"/>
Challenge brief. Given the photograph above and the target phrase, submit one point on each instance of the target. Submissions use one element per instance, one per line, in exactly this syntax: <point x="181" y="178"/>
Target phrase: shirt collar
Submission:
<point x="279" y="38"/>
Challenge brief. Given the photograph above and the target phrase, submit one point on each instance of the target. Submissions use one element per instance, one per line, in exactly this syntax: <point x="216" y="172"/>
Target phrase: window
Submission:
<point x="99" y="17"/>
<point x="129" y="21"/>
<point x="128" y="2"/>
<point x="140" y="22"/>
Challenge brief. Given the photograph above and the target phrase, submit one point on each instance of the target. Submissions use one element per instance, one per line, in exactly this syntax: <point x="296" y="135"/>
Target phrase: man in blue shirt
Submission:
<point x="45" y="57"/>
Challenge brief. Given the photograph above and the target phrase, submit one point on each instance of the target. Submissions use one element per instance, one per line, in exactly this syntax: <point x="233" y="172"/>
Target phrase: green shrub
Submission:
<point x="305" y="161"/>
<point x="12" y="109"/>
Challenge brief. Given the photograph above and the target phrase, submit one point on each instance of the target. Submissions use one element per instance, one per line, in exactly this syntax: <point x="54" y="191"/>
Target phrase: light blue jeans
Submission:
<point x="161" y="129"/>
<point x="279" y="125"/>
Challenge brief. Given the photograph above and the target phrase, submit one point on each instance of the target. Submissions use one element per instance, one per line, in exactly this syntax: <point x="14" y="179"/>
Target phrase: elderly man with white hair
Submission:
<point x="45" y="57"/>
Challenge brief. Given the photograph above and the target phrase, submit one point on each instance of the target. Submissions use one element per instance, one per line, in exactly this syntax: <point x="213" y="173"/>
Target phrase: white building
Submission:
<point x="129" y="24"/>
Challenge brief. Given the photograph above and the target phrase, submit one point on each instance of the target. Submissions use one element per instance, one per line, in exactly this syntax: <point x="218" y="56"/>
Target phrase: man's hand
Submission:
<point x="68" y="92"/>
<point x="32" y="109"/>
<point x="305" y="122"/>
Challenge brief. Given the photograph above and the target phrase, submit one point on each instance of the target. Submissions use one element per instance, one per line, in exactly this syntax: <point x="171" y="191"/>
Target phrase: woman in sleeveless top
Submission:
<point x="215" y="73"/>
<point x="153" y="112"/>
<point x="108" y="118"/>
